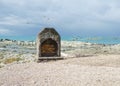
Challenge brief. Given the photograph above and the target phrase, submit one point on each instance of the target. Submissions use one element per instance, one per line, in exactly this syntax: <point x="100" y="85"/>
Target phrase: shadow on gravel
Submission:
<point x="49" y="60"/>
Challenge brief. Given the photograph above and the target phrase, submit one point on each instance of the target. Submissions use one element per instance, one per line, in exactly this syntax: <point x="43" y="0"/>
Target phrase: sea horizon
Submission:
<point x="90" y="39"/>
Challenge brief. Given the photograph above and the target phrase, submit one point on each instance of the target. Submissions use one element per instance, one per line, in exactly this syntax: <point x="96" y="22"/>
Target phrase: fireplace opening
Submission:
<point x="49" y="48"/>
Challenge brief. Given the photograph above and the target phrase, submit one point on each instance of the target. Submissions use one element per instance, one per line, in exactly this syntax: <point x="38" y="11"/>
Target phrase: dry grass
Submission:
<point x="0" y="66"/>
<point x="11" y="60"/>
<point x="1" y="55"/>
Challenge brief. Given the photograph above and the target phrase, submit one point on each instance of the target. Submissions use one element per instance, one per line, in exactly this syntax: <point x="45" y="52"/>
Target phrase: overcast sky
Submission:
<point x="68" y="17"/>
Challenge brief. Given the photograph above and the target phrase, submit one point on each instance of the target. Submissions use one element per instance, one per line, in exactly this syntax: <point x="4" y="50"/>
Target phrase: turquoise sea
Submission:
<point x="98" y="40"/>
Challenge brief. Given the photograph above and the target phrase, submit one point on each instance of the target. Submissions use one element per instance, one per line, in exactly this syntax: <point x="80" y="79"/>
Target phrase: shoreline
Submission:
<point x="69" y="49"/>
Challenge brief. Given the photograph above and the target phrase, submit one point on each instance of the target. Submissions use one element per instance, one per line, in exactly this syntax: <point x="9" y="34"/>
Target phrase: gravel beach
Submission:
<point x="83" y="71"/>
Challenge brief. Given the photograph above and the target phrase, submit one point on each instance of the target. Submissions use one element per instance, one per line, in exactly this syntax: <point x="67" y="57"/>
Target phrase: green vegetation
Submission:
<point x="1" y="55"/>
<point x="0" y="66"/>
<point x="11" y="60"/>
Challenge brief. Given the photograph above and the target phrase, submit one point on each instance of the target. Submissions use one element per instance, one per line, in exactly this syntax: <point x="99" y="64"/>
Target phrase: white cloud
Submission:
<point x="12" y="20"/>
<point x="5" y="32"/>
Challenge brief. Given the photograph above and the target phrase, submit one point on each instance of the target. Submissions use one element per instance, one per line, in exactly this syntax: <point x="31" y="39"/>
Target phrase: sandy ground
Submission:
<point x="101" y="70"/>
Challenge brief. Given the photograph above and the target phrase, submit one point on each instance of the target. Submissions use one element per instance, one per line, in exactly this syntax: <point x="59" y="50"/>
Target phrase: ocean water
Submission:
<point x="98" y="40"/>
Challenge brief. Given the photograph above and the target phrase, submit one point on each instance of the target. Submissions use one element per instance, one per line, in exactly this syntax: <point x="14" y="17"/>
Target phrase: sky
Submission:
<point x="70" y="18"/>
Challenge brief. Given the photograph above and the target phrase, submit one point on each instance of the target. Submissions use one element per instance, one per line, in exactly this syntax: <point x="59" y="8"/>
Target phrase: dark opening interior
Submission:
<point x="49" y="48"/>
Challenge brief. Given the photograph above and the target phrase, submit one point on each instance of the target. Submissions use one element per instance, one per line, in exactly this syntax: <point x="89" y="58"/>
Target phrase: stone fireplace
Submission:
<point x="48" y="43"/>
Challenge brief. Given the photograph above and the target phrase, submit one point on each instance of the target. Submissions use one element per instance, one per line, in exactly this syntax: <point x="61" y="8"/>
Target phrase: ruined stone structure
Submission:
<point x="48" y="43"/>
